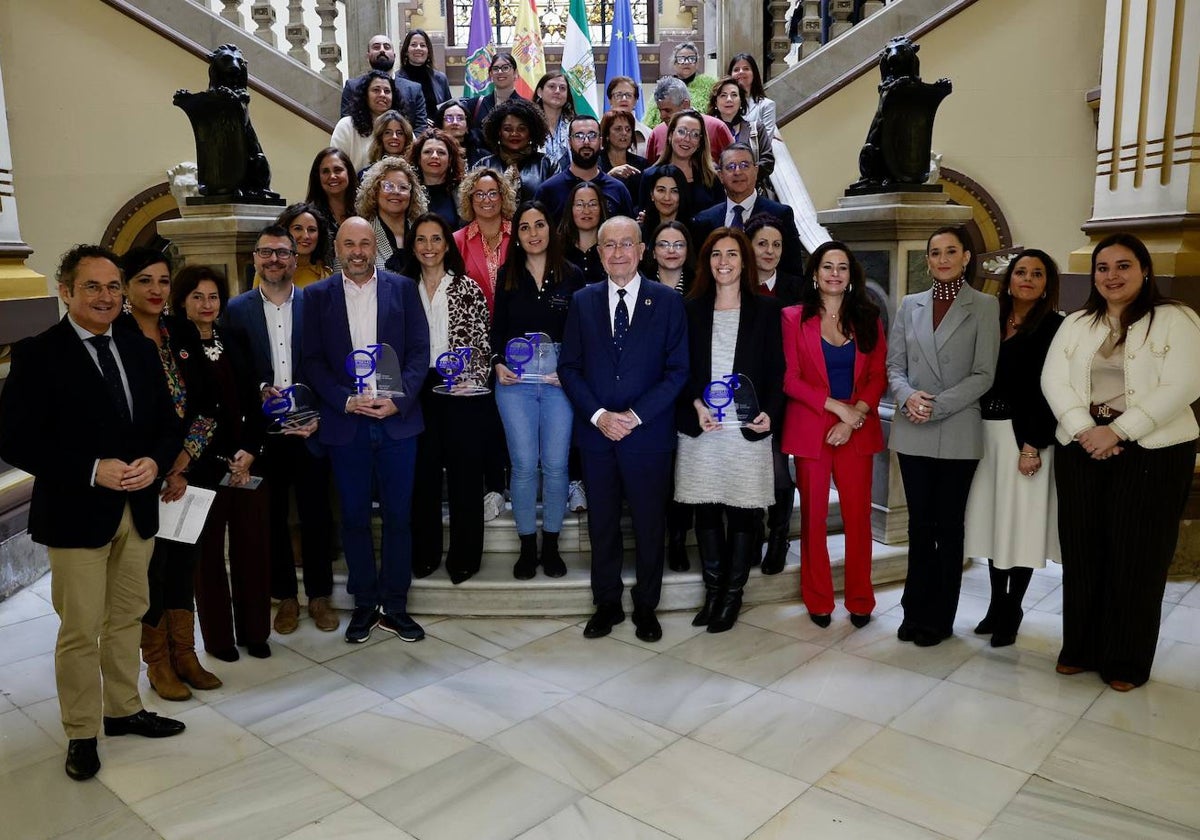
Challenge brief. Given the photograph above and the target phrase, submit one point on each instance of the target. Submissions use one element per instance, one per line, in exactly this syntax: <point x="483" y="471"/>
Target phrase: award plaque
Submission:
<point x="532" y="358"/>
<point x="376" y="371"/>
<point x="450" y="366"/>
<point x="732" y="401"/>
<point x="293" y="408"/>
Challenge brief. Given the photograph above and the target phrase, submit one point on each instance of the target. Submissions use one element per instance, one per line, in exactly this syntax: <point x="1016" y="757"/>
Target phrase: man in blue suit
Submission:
<point x="624" y="361"/>
<point x="371" y="440"/>
<point x="272" y="315"/>
<point x="738" y="172"/>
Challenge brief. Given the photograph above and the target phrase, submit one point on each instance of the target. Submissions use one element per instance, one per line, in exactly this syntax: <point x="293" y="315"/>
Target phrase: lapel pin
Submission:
<point x="183" y="354"/>
<point x="646" y="301"/>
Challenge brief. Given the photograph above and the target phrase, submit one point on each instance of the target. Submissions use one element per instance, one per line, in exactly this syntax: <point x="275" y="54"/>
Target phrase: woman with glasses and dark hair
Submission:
<point x="332" y="185"/>
<point x="1011" y="513"/>
<point x="669" y="258"/>
<point x="352" y="134"/>
<point x="744" y="68"/>
<point x="583" y="213"/>
<point x="514" y="131"/>
<point x="687" y="149"/>
<point x="452" y="118"/>
<point x="502" y="73"/>
<point x="439" y="167"/>
<point x="391" y="198"/>
<point x="416" y="65"/>
<point x="1120" y="377"/>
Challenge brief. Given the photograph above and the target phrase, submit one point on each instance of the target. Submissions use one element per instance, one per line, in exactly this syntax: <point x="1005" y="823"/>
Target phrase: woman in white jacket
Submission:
<point x="1120" y="378"/>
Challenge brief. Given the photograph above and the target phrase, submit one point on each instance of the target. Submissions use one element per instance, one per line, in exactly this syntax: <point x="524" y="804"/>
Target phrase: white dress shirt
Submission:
<point x="746" y="203"/>
<point x="631" y="292"/>
<point x="362" y="313"/>
<point x="437" y="314"/>
<point x="279" y="335"/>
<point x="84" y="335"/>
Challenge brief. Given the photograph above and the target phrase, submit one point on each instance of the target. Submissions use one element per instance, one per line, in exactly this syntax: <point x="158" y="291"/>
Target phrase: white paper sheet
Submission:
<point x="183" y="519"/>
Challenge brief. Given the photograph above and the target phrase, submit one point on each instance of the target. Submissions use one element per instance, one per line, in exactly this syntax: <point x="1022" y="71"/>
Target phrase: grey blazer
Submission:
<point x="957" y="364"/>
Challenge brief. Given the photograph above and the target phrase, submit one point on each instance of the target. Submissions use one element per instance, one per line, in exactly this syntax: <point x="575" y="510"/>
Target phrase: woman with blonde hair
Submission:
<point x="390" y="197"/>
<point x="486" y="202"/>
<point x="391" y="136"/>
<point x="687" y="148"/>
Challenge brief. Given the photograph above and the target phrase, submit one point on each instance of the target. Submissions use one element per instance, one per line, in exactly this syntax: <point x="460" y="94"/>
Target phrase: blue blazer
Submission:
<point x="246" y="312"/>
<point x="400" y="323"/>
<point x="646" y="376"/>
<point x="709" y="220"/>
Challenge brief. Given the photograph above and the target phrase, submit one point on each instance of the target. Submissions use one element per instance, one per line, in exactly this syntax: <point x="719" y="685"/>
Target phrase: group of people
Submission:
<point x="543" y="309"/>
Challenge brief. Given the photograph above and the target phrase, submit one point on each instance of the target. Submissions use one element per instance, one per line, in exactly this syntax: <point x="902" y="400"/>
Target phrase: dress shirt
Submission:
<point x="362" y="313"/>
<point x="437" y="314"/>
<point x="769" y="282"/>
<point x="279" y="333"/>
<point x="84" y="335"/>
<point x="631" y="292"/>
<point x="747" y="203"/>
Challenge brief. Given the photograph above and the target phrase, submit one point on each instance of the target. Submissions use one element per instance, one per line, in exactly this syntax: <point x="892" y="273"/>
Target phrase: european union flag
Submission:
<point x="623" y="53"/>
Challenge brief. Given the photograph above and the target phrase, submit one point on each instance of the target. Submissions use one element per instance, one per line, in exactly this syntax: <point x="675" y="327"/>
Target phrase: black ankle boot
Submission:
<point x="779" y="517"/>
<point x="526" y="565"/>
<point x="552" y="562"/>
<point x="742" y="548"/>
<point x="710" y="544"/>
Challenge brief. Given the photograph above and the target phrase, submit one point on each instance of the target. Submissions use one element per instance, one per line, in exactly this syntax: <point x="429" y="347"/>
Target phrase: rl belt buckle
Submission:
<point x="1104" y="411"/>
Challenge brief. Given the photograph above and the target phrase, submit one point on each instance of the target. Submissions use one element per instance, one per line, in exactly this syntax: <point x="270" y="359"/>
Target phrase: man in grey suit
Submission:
<point x="941" y="359"/>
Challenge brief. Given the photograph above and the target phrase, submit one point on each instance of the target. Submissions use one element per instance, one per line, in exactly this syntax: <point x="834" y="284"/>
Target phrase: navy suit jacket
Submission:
<point x="400" y="323"/>
<point x="714" y="217"/>
<point x="408" y="98"/>
<point x="646" y="376"/>
<point x="246" y="313"/>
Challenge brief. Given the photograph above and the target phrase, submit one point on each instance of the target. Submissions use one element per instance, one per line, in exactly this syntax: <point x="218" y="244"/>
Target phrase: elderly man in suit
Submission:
<point x="409" y="99"/>
<point x="624" y="361"/>
<point x="371" y="438"/>
<point x="86" y="411"/>
<point x="272" y="315"/>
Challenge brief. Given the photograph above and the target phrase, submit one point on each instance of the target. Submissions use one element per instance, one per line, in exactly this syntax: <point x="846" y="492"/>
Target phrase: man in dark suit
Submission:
<point x="409" y="99"/>
<point x="86" y="411"/>
<point x="272" y="315"/>
<point x="739" y="175"/>
<point x="624" y="361"/>
<point x="371" y="439"/>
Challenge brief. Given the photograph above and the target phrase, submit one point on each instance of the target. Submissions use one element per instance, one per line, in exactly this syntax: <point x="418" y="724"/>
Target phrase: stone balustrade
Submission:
<point x="799" y="28"/>
<point x="302" y="18"/>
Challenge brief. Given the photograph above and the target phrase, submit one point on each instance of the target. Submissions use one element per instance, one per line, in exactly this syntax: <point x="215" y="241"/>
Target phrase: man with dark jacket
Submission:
<point x="409" y="99"/>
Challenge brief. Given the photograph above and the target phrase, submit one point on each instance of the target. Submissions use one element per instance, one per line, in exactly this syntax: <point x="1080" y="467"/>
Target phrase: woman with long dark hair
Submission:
<point x="502" y="73"/>
<point x="744" y="68"/>
<point x="583" y="213"/>
<point x="687" y="148"/>
<point x="1120" y="377"/>
<point x="666" y="197"/>
<point x="553" y="95"/>
<point x="332" y="185"/>
<point x="416" y="65"/>
<point x="729" y="103"/>
<point x="834" y="348"/>
<point x="669" y="258"/>
<point x="453" y="119"/>
<point x="439" y="167"/>
<point x="303" y="222"/>
<point x="352" y="134"/>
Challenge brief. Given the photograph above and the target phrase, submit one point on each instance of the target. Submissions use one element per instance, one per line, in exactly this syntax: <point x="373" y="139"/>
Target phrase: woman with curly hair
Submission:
<point x="583" y="213"/>
<point x="439" y="166"/>
<point x="486" y="202"/>
<point x="514" y="132"/>
<point x="392" y="136"/>
<point x="687" y="148"/>
<point x="352" y="134"/>
<point x="553" y="96"/>
<point x="416" y="65"/>
<point x="332" y="185"/>
<point x="390" y="198"/>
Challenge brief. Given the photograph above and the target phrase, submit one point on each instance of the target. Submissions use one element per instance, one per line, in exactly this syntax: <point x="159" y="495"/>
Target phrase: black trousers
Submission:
<point x="171" y="575"/>
<point x="454" y="440"/>
<point x="1118" y="523"/>
<point x="936" y="489"/>
<point x="289" y="466"/>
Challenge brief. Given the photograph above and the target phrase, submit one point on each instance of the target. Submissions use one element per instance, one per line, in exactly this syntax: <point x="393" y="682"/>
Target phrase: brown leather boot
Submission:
<point x="181" y="624"/>
<point x="156" y="655"/>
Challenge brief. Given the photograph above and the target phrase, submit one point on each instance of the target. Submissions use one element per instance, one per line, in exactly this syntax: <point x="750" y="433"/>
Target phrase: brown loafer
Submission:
<point x="1121" y="685"/>
<point x="323" y="614"/>
<point x="287" y="618"/>
<point x="1069" y="670"/>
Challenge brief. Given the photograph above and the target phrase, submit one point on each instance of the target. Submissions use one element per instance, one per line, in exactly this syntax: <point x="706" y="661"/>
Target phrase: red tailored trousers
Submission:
<point x="851" y="472"/>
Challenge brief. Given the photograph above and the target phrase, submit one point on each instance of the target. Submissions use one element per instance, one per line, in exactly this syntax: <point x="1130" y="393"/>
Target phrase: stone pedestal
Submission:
<point x="887" y="233"/>
<point x="218" y="235"/>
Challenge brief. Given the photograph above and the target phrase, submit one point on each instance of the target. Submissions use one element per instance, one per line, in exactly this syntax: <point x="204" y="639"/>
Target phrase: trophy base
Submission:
<point x="293" y="421"/>
<point x="459" y="391"/>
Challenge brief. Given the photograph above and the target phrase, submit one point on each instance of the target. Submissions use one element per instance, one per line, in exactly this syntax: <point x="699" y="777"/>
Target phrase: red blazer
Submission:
<point x="476" y="260"/>
<point x="806" y="385"/>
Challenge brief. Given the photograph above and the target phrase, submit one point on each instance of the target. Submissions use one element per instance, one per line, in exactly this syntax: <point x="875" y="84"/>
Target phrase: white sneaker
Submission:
<point x="576" y="497"/>
<point x="493" y="504"/>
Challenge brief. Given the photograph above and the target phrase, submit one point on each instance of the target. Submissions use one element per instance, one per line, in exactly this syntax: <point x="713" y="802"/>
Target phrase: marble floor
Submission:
<point x="520" y="728"/>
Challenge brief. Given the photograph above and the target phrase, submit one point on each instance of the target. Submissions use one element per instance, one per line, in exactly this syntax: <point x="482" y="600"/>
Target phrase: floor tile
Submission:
<point x="791" y="619"/>
<point x="878" y="641"/>
<point x="41" y="587"/>
<point x="1022" y="675"/>
<point x="394" y="668"/>
<point x="934" y="786"/>
<point x="1133" y="770"/>
<point x="492" y="637"/>
<point x="820" y="814"/>
<point x="1009" y="732"/>
<point x="676" y="626"/>
<point x="486" y="699"/>
<point x="1046" y="810"/>
<point x="246" y="673"/>
<point x="22" y="742"/>
<point x="1051" y="602"/>
<point x="1177" y="663"/>
<point x="746" y="653"/>
<point x="850" y="684"/>
<point x="582" y="743"/>
<point x="320" y="646"/>
<point x="28" y="638"/>
<point x="477" y="794"/>
<point x="1156" y="710"/>
<point x="298" y="704"/>
<point x="782" y="733"/>
<point x="1177" y="590"/>
<point x="671" y="693"/>
<point x="266" y="797"/>
<point x="356" y="822"/>
<point x="569" y="660"/>
<point x="66" y="804"/>
<point x="22" y="606"/>
<point x="47" y="715"/>
<point x="1182" y="625"/>
<point x="121" y="824"/>
<point x="1041" y="632"/>
<point x="588" y="819"/>
<point x="29" y="680"/>
<point x="697" y="792"/>
<point x="1192" y="598"/>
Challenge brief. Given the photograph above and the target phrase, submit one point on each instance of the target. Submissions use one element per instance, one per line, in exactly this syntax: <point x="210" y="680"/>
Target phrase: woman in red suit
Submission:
<point x="834" y="349"/>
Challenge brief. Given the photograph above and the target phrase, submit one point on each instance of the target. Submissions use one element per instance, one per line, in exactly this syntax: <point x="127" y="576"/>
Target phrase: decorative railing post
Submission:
<point x="263" y="13"/>
<point x="329" y="51"/>
<point x="779" y="44"/>
<point x="297" y="33"/>
<point x="810" y="28"/>
<point x="840" y="11"/>
<point x="231" y="12"/>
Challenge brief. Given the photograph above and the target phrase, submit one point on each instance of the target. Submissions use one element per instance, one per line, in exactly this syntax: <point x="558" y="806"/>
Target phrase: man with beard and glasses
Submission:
<point x="585" y="166"/>
<point x="409" y="99"/>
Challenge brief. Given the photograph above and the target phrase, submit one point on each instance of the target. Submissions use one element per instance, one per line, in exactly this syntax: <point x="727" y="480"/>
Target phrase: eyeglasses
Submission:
<point x="91" y="288"/>
<point x="687" y="134"/>
<point x="622" y="94"/>
<point x="581" y="136"/>
<point x="399" y="189"/>
<point x="485" y="195"/>
<point x="670" y="246"/>
<point x="586" y="205"/>
<point x="267" y="253"/>
<point x="735" y="166"/>
<point x="611" y="247"/>
<point x="686" y="59"/>
<point x="502" y="68"/>
<point x="452" y="119"/>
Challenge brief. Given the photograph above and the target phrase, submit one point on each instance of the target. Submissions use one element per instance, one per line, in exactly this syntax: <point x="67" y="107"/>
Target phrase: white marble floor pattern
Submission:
<point x="519" y="728"/>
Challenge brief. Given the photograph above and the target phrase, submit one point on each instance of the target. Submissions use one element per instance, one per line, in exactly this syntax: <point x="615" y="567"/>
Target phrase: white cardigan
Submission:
<point x="1162" y="376"/>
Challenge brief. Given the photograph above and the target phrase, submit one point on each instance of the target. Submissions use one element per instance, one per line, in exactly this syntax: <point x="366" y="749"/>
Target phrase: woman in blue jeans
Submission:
<point x="533" y="291"/>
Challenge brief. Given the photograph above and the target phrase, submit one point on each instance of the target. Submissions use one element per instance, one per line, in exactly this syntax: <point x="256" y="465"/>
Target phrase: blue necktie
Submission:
<point x="620" y="322"/>
<point x="738" y="222"/>
<point x="112" y="374"/>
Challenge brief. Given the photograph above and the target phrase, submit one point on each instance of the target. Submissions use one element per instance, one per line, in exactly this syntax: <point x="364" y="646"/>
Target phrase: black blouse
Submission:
<point x="588" y="262"/>
<point x="526" y="310"/>
<point x="1016" y="391"/>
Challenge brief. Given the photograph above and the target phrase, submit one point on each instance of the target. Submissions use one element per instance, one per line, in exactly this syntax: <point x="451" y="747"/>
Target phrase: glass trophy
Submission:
<point x="292" y="408"/>
<point x="533" y="358"/>
<point x="732" y="401"/>
<point x="450" y="366"/>
<point x="376" y="372"/>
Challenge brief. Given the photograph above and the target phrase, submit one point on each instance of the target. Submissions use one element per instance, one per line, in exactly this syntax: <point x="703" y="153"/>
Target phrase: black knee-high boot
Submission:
<point x="1009" y="618"/>
<point x="999" y="590"/>
<point x="710" y="544"/>
<point x="779" y="518"/>
<point x="742" y="548"/>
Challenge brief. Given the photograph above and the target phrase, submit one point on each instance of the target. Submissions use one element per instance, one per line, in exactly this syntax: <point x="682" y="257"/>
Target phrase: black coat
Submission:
<point x="407" y="98"/>
<point x="1018" y="382"/>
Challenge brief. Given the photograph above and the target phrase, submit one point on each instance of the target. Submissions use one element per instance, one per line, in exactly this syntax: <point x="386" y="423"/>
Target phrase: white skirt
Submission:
<point x="1012" y="519"/>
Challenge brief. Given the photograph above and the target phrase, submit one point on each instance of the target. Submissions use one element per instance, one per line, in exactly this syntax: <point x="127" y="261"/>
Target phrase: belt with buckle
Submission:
<point x="1103" y="413"/>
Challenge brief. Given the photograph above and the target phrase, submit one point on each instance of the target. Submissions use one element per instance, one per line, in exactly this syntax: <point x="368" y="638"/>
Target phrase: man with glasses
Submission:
<point x="272" y="316"/>
<point x="584" y="140"/>
<point x="685" y="64"/>
<point x="671" y="96"/>
<point x="409" y="99"/>
<point x="624" y="362"/>
<point x="87" y="412"/>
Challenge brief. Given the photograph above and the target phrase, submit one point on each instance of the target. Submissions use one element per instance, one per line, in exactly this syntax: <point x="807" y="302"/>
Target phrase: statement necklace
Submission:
<point x="214" y="350"/>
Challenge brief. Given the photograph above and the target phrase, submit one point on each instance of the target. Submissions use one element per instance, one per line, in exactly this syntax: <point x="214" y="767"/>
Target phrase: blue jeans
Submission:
<point x="374" y="459"/>
<point x="537" y="423"/>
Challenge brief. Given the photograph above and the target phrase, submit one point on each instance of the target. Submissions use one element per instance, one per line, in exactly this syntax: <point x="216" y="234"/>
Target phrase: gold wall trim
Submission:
<point x="140" y="213"/>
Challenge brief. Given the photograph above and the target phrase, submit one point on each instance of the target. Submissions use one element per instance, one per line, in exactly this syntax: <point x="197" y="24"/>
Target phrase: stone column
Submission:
<point x="218" y="235"/>
<point x="16" y="280"/>
<point x="739" y="29"/>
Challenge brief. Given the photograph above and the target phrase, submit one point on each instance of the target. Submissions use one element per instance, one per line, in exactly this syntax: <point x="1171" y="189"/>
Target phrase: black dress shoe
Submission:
<point x="402" y="625"/>
<point x="424" y="571"/>
<point x="82" y="761"/>
<point x="648" y="628"/>
<point x="820" y="619"/>
<point x="362" y="622"/>
<point x="229" y="654"/>
<point x="259" y="650"/>
<point x="458" y="576"/>
<point x="146" y="724"/>
<point x="923" y="639"/>
<point x="602" y="623"/>
<point x="860" y="620"/>
<point x="906" y="633"/>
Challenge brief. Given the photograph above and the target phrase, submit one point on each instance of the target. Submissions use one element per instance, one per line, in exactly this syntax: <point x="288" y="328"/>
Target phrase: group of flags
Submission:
<point x="578" y="63"/>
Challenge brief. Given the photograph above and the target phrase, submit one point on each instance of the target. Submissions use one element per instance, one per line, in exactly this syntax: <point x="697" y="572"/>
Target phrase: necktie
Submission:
<point x="738" y="222"/>
<point x="620" y="321"/>
<point x="112" y="374"/>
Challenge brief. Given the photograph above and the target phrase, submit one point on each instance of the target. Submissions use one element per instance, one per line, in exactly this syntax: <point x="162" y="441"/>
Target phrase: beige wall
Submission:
<point x="1016" y="121"/>
<point x="86" y="144"/>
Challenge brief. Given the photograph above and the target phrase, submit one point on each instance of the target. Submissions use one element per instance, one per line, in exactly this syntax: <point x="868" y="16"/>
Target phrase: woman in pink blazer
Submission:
<point x="834" y="349"/>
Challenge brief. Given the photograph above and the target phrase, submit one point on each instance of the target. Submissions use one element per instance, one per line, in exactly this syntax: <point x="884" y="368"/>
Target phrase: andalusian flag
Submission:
<point x="481" y="47"/>
<point x="578" y="62"/>
<point x="527" y="48"/>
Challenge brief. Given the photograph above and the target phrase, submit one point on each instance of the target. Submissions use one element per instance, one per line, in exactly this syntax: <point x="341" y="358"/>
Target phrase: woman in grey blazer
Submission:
<point x="941" y="359"/>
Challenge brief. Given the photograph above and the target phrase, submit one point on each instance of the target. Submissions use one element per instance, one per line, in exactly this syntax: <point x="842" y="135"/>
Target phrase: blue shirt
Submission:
<point x="839" y="365"/>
